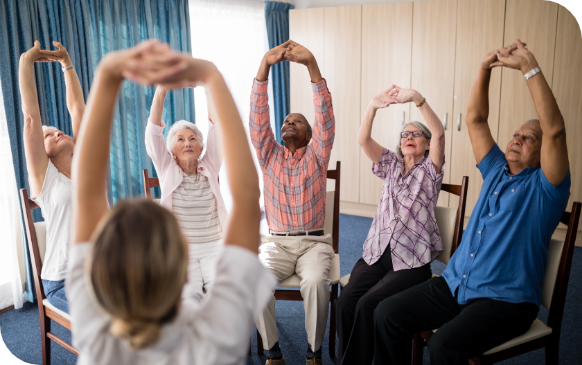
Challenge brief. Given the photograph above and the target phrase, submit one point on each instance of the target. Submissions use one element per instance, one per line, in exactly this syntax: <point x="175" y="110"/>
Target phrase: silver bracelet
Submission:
<point x="532" y="73"/>
<point x="67" y="68"/>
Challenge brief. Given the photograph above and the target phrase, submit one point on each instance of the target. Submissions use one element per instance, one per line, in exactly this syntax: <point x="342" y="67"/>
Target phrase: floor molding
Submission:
<point x="6" y="309"/>
<point x="368" y="210"/>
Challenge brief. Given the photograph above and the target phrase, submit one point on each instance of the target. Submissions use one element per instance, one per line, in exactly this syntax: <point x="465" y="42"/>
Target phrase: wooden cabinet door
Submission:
<point x="566" y="85"/>
<point x="342" y="43"/>
<point x="533" y="22"/>
<point x="305" y="28"/>
<point x="433" y="65"/>
<point x="479" y="30"/>
<point x="386" y="60"/>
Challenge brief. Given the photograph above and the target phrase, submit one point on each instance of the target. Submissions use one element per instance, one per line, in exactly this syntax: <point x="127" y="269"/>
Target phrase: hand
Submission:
<point x="141" y="63"/>
<point x="298" y="54"/>
<point x="402" y="96"/>
<point x="34" y="55"/>
<point x="516" y="56"/>
<point x="277" y="54"/>
<point x="61" y="55"/>
<point x="384" y="99"/>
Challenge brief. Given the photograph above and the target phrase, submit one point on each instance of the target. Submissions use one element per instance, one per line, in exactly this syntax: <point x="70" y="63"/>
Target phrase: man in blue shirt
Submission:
<point x="490" y="291"/>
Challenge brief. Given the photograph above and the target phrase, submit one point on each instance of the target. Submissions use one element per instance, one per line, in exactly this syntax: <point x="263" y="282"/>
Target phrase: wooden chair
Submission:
<point x="148" y="183"/>
<point x="36" y="233"/>
<point x="554" y="288"/>
<point x="450" y="222"/>
<point x="288" y="287"/>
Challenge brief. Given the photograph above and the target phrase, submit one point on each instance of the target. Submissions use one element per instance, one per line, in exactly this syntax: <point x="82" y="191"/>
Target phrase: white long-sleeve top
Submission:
<point x="215" y="332"/>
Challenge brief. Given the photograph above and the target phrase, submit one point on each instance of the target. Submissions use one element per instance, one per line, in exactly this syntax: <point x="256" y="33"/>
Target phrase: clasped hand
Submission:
<point x="515" y="56"/>
<point x="395" y="95"/>
<point x="289" y="51"/>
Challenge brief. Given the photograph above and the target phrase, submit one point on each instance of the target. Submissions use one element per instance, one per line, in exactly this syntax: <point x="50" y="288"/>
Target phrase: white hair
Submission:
<point x="421" y="127"/>
<point x="178" y="126"/>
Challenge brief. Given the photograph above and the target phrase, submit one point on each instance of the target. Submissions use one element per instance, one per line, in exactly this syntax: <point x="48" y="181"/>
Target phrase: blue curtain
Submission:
<point x="277" y="19"/>
<point x="89" y="29"/>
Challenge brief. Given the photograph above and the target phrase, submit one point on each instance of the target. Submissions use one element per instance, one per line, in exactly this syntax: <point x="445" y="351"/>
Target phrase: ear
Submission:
<point x="308" y="137"/>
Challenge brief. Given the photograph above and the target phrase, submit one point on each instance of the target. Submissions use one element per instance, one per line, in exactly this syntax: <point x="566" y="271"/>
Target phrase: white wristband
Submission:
<point x="532" y="73"/>
<point x="67" y="68"/>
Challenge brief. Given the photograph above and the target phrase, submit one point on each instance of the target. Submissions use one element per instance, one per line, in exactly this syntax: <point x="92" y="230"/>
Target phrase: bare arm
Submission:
<point x="437" y="142"/>
<point x="371" y="148"/>
<point x="75" y="99"/>
<point x="554" y="154"/>
<point x="36" y="157"/>
<point x="158" y="106"/>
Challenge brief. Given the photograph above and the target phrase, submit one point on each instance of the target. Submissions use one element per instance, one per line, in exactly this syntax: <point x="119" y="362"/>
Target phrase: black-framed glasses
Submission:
<point x="405" y="134"/>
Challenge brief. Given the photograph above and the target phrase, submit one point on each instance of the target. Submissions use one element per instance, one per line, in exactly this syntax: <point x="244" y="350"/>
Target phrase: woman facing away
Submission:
<point x="404" y="238"/>
<point x="127" y="266"/>
<point x="49" y="154"/>
<point x="190" y="189"/>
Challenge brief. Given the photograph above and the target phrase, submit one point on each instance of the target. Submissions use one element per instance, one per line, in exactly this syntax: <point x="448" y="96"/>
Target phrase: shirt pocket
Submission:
<point x="511" y="198"/>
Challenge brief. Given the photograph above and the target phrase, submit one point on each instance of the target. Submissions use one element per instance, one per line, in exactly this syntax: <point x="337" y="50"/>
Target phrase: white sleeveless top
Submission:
<point x="194" y="205"/>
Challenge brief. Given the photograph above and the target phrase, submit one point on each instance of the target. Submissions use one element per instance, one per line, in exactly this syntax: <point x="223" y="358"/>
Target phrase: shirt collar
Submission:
<point x="298" y="153"/>
<point x="525" y="172"/>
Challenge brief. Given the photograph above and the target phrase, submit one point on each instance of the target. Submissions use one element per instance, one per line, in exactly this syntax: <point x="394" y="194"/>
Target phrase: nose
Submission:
<point x="291" y="122"/>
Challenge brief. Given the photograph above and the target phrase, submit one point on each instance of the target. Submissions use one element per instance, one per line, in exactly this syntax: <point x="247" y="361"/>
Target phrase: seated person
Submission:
<point x="404" y="238"/>
<point x="295" y="180"/>
<point x="490" y="291"/>
<point x="49" y="153"/>
<point x="128" y="266"/>
<point x="190" y="189"/>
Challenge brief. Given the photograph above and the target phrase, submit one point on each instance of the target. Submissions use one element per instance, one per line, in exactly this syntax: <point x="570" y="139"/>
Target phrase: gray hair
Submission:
<point x="178" y="126"/>
<point x="421" y="127"/>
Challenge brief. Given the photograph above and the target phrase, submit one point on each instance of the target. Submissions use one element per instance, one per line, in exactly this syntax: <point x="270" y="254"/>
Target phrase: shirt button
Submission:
<point x="512" y="190"/>
<point x="464" y="276"/>
<point x="495" y="193"/>
<point x="511" y="178"/>
<point x="490" y="214"/>
<point x="471" y="255"/>
<point x="479" y="232"/>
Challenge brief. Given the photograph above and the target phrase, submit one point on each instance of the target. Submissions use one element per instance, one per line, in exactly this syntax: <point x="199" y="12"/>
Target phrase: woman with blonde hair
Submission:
<point x="404" y="238"/>
<point x="189" y="185"/>
<point x="128" y="266"/>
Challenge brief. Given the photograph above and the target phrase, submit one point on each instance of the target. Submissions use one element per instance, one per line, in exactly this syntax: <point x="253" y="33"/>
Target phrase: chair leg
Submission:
<point x="45" y="327"/>
<point x="260" y="349"/>
<point x="417" y="349"/>
<point x="552" y="352"/>
<point x="332" y="321"/>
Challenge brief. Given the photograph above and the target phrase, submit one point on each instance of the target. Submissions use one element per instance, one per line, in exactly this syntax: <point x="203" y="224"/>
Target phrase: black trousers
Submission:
<point x="465" y="331"/>
<point x="368" y="286"/>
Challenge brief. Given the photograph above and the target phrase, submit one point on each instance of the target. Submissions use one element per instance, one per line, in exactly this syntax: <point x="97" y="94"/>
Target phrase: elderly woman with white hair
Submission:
<point x="404" y="238"/>
<point x="189" y="186"/>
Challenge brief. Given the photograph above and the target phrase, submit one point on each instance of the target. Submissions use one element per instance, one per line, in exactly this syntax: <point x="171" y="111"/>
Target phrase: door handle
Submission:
<point x="403" y="117"/>
<point x="459" y="122"/>
<point x="445" y="121"/>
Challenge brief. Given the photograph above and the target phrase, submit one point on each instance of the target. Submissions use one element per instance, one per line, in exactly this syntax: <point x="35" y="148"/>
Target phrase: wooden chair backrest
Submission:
<point x="149" y="183"/>
<point x="557" y="276"/>
<point x="451" y="220"/>
<point x="36" y="237"/>
<point x="332" y="203"/>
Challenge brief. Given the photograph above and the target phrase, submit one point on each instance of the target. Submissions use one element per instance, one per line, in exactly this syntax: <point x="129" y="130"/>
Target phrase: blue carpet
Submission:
<point x="20" y="328"/>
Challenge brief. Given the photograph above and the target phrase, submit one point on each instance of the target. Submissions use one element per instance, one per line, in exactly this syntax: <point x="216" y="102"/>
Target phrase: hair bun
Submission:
<point x="139" y="333"/>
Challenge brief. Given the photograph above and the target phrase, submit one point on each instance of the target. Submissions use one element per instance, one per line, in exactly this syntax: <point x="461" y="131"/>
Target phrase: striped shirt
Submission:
<point x="294" y="185"/>
<point x="194" y="206"/>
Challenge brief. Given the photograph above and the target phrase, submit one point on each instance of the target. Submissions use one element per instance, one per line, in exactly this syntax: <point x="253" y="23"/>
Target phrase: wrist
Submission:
<point x="25" y="58"/>
<point x="66" y="62"/>
<point x="529" y="65"/>
<point x="107" y="74"/>
<point x="417" y="98"/>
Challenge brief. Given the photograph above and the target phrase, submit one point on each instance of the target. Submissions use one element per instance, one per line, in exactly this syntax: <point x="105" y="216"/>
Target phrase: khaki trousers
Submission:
<point x="310" y="258"/>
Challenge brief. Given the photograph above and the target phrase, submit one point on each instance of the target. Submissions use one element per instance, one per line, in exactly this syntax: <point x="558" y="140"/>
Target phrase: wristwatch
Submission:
<point x="532" y="73"/>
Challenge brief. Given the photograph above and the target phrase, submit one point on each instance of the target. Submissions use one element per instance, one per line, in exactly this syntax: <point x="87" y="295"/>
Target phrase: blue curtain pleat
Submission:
<point x="89" y="29"/>
<point x="277" y="19"/>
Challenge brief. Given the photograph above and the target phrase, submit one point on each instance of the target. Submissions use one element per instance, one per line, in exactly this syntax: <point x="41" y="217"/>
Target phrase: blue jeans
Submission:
<point x="55" y="293"/>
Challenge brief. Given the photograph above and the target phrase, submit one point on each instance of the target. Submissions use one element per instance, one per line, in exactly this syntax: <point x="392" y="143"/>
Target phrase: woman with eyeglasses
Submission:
<point x="404" y="238"/>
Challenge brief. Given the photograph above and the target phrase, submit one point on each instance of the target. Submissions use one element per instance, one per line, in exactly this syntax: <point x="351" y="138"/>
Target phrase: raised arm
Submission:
<point x="75" y="99"/>
<point x="437" y="142"/>
<point x="371" y="148"/>
<point x="36" y="157"/>
<point x="158" y="106"/>
<point x="554" y="154"/>
<point x="478" y="108"/>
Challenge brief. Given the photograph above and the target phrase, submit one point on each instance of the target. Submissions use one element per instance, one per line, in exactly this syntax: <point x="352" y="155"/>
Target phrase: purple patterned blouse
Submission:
<point x="405" y="217"/>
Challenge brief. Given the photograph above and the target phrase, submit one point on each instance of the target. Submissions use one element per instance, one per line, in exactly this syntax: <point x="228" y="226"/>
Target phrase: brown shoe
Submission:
<point x="314" y="361"/>
<point x="277" y="362"/>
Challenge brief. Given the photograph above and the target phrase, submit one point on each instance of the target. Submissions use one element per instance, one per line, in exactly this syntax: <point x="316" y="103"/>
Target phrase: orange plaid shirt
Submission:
<point x="294" y="185"/>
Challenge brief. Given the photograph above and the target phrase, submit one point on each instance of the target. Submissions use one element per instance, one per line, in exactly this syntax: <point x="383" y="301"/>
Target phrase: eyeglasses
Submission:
<point x="405" y="134"/>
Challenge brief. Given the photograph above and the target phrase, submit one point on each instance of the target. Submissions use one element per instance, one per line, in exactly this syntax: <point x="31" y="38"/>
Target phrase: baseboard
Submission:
<point x="368" y="210"/>
<point x="6" y="309"/>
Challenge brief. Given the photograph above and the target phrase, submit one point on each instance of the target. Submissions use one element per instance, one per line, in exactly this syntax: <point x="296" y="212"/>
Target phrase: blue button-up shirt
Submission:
<point x="503" y="254"/>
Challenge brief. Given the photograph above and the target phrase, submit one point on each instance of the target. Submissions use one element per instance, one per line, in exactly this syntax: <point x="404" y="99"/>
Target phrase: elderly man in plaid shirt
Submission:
<point x="294" y="189"/>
